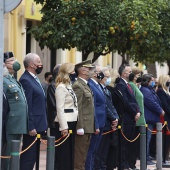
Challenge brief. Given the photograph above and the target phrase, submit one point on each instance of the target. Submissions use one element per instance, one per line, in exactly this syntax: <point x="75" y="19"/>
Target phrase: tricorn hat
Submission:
<point x="86" y="63"/>
<point x="8" y="55"/>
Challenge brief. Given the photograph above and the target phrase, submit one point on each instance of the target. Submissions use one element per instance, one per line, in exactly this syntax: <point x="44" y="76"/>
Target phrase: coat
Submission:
<point x="139" y="98"/>
<point x="17" y="119"/>
<point x="85" y="106"/>
<point x="66" y="105"/>
<point x="36" y="103"/>
<point x="165" y="101"/>
<point x="99" y="104"/>
<point x="131" y="105"/>
<point x="152" y="105"/>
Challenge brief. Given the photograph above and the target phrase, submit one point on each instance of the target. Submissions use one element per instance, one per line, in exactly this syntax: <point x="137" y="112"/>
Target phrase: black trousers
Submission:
<point x="112" y="155"/>
<point x="134" y="149"/>
<point x="126" y="147"/>
<point x="64" y="159"/>
<point x="101" y="154"/>
<point x="28" y="158"/>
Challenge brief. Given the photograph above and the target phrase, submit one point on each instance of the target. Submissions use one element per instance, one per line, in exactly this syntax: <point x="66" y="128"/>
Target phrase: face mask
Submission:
<point x="152" y="84"/>
<point x="5" y="71"/>
<point x="50" y="79"/>
<point x="138" y="80"/>
<point x="100" y="76"/>
<point x="73" y="77"/>
<point x="108" y="81"/>
<point x="167" y="84"/>
<point x="39" y="68"/>
<point x="16" y="66"/>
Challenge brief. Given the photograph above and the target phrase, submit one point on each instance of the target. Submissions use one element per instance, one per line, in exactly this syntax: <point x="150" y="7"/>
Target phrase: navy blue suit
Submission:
<point x="37" y="117"/>
<point x="100" y="119"/>
<point x="131" y="109"/>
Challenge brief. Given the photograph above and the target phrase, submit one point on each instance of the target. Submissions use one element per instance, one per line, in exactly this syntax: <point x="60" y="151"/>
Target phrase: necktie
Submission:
<point x="99" y="88"/>
<point x="130" y="88"/>
<point x="37" y="79"/>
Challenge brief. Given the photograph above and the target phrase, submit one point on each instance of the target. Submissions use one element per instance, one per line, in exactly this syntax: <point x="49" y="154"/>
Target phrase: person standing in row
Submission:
<point x="111" y="123"/>
<point x="134" y="151"/>
<point x="47" y="81"/>
<point x="132" y="113"/>
<point x="66" y="118"/>
<point x="16" y="124"/>
<point x="100" y="114"/>
<point x="37" y="122"/>
<point x="85" y="124"/>
<point x="152" y="108"/>
<point x="51" y="107"/>
<point x="164" y="96"/>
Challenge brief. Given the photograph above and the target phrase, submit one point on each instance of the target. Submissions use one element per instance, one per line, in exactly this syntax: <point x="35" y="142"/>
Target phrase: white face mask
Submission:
<point x="5" y="71"/>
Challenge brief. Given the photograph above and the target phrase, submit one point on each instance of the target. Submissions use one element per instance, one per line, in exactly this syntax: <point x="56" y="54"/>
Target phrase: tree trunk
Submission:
<point x="95" y="57"/>
<point x="151" y="68"/>
<point x="85" y="54"/>
<point x="124" y="61"/>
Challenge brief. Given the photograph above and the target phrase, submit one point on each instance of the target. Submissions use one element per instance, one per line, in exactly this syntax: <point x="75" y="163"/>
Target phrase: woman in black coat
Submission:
<point x="164" y="95"/>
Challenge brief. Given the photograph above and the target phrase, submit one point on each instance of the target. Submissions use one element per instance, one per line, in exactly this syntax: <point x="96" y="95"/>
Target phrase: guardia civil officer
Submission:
<point x="16" y="124"/>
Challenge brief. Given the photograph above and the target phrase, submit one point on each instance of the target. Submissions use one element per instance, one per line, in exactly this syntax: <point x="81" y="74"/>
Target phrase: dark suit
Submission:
<point x="102" y="151"/>
<point x="37" y="118"/>
<point x="100" y="119"/>
<point x="128" y="121"/>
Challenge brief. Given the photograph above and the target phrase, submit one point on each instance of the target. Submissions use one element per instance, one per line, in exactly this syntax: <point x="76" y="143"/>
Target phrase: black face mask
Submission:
<point x="50" y="79"/>
<point x="39" y="68"/>
<point x="73" y="77"/>
<point x="167" y="83"/>
<point x="100" y="76"/>
<point x="138" y="80"/>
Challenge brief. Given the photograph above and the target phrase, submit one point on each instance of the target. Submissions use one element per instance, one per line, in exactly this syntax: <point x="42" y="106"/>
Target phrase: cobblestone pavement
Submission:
<point x="43" y="160"/>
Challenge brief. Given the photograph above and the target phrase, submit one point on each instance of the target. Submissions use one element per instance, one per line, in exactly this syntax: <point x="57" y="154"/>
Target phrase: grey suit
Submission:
<point x="85" y="121"/>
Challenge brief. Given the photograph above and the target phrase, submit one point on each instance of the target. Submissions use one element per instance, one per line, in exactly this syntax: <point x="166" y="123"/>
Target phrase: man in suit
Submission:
<point x="85" y="123"/>
<point x="111" y="123"/>
<point x="37" y="122"/>
<point x="16" y="123"/>
<point x="100" y="114"/>
<point x="131" y="115"/>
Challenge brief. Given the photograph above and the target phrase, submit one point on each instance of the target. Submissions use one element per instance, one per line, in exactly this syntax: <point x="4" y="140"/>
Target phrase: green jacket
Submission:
<point x="17" y="119"/>
<point x="139" y="98"/>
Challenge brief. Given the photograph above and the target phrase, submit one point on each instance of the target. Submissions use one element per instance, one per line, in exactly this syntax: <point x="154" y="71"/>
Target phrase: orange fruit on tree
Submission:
<point x="73" y="19"/>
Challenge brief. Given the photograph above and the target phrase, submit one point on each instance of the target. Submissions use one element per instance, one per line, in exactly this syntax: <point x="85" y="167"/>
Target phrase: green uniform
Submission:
<point x="17" y="118"/>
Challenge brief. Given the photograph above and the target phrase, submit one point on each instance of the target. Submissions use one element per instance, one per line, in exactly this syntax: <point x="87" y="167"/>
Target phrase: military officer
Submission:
<point x="16" y="124"/>
<point x="85" y="123"/>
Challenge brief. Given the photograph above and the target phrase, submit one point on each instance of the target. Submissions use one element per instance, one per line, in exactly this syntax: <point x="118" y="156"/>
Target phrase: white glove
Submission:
<point x="80" y="131"/>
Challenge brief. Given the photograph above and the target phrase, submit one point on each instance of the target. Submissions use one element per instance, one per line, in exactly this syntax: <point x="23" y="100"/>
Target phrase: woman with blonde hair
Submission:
<point x="164" y="96"/>
<point x="66" y="118"/>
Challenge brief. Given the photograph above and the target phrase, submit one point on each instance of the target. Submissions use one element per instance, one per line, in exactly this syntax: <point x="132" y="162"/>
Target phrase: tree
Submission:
<point x="90" y="26"/>
<point x="132" y="27"/>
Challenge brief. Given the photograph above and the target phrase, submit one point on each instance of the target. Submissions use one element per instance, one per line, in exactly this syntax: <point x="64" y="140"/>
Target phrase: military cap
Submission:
<point x="8" y="55"/>
<point x="86" y="63"/>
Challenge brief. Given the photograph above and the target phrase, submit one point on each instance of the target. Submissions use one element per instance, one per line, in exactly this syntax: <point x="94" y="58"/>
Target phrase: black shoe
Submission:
<point x="150" y="163"/>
